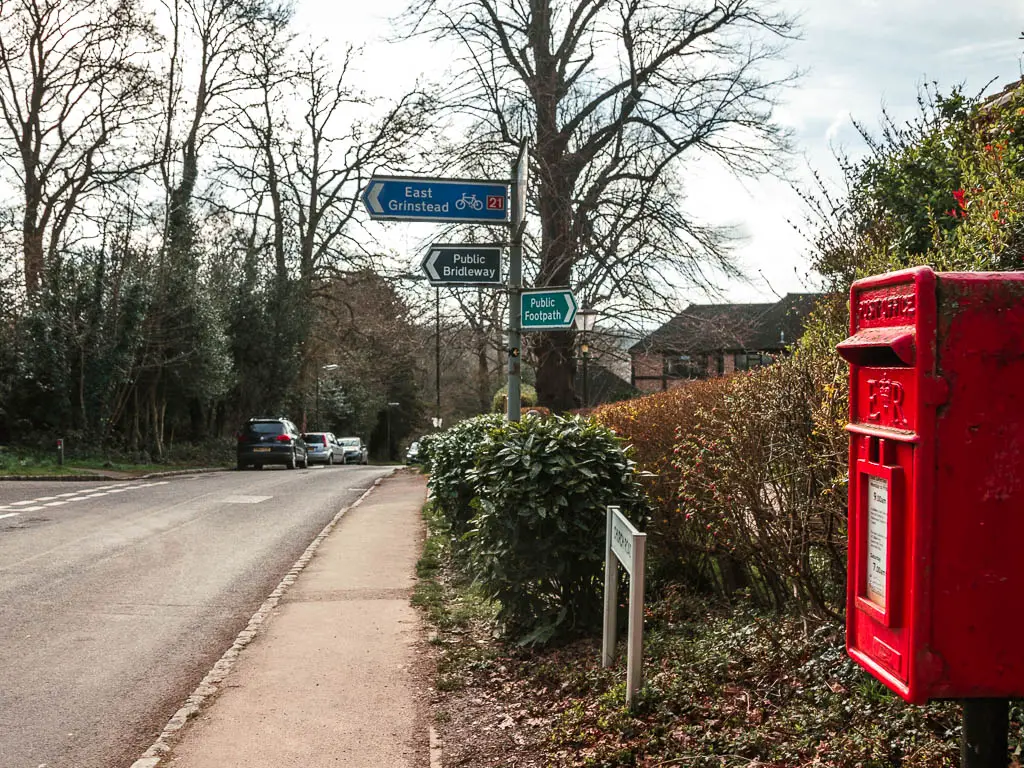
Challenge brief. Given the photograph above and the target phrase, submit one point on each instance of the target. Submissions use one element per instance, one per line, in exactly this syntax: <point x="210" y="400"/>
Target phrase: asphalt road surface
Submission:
<point x="117" y="597"/>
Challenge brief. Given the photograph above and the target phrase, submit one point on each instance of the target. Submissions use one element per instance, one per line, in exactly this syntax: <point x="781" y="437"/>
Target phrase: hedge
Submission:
<point x="751" y="494"/>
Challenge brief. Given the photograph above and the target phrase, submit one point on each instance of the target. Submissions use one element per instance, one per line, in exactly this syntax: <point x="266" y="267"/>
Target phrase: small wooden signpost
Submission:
<point x="626" y="545"/>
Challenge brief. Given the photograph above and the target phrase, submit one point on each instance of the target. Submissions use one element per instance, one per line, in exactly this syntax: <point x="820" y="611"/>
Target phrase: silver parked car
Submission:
<point x="355" y="449"/>
<point x="322" y="448"/>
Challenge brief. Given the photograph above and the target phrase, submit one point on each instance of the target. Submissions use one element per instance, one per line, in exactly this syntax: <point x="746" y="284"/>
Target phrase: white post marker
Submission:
<point x="625" y="544"/>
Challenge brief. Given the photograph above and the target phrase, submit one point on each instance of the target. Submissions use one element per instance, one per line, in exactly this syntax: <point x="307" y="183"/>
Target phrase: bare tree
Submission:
<point x="616" y="94"/>
<point x="338" y="146"/>
<point x="221" y="31"/>
<point x="75" y="89"/>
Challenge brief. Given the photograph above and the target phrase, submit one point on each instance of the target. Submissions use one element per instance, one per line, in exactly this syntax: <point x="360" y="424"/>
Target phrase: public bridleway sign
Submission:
<point x="463" y="265"/>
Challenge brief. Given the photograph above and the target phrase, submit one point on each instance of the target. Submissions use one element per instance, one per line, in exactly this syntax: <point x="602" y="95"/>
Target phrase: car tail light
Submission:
<point x="283" y="439"/>
<point x="240" y="436"/>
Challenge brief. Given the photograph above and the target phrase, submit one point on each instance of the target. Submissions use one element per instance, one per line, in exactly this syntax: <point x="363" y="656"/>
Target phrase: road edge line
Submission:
<point x="209" y="686"/>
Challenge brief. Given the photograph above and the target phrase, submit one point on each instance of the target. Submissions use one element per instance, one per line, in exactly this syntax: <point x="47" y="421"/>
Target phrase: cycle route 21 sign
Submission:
<point x="415" y="198"/>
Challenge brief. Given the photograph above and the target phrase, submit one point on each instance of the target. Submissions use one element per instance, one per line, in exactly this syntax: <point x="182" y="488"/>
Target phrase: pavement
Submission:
<point x="325" y="673"/>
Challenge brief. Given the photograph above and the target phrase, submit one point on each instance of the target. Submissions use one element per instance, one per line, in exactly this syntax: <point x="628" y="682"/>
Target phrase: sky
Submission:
<point x="856" y="57"/>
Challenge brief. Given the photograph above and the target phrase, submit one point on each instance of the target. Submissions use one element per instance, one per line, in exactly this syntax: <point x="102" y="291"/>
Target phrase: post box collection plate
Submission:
<point x="878" y="538"/>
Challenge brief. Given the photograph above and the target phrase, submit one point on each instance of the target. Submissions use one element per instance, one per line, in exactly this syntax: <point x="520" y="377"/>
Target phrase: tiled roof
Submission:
<point x="702" y="328"/>
<point x="1004" y="97"/>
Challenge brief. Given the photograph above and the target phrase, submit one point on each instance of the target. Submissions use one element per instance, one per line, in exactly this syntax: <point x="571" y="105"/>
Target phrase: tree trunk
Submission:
<point x="32" y="242"/>
<point x="555" y="365"/>
<point x="483" y="379"/>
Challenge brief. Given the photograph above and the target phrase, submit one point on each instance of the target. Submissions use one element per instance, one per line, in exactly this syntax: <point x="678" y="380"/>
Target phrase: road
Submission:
<point x="117" y="597"/>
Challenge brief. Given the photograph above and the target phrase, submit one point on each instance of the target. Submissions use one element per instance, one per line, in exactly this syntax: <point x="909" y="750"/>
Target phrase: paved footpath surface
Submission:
<point x="328" y="679"/>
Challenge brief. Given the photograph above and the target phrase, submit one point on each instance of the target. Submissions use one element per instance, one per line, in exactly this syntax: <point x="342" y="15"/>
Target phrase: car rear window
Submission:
<point x="350" y="442"/>
<point x="266" y="427"/>
<point x="317" y="439"/>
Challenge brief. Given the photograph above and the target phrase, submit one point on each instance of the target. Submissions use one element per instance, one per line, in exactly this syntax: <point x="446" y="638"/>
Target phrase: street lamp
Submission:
<point x="585" y="320"/>
<point x="387" y="445"/>
<point x="328" y="367"/>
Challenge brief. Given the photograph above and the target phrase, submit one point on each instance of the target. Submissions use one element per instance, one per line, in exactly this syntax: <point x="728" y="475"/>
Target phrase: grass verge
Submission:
<point x="24" y="462"/>
<point x="453" y="608"/>
<point x="725" y="687"/>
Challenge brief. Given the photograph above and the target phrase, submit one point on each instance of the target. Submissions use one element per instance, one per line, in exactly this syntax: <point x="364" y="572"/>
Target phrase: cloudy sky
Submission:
<point x="857" y="55"/>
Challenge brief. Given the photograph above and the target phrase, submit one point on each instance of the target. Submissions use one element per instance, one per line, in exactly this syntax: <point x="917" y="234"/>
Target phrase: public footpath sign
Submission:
<point x="463" y="265"/>
<point x="412" y="198"/>
<point x="548" y="310"/>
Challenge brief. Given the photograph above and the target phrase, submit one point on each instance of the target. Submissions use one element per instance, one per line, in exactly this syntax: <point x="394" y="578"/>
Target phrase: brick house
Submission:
<point x="708" y="340"/>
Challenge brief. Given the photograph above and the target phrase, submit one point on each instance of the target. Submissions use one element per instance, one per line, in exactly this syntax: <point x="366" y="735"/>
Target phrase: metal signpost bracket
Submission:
<point x="625" y="544"/>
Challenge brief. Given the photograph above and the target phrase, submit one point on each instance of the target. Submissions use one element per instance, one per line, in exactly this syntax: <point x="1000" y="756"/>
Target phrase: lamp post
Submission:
<point x="328" y="367"/>
<point x="387" y="445"/>
<point x="585" y="320"/>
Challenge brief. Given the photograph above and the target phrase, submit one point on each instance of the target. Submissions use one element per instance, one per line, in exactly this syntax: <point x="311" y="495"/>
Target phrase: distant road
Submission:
<point x="117" y="597"/>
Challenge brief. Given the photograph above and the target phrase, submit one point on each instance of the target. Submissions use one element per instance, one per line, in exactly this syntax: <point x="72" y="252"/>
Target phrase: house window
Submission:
<point x="748" y="361"/>
<point x="686" y="366"/>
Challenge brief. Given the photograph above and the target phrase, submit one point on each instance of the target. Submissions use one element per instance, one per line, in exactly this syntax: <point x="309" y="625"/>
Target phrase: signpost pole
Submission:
<point x="634" y="644"/>
<point x="611" y="598"/>
<point x="437" y="349"/>
<point x="515" y="279"/>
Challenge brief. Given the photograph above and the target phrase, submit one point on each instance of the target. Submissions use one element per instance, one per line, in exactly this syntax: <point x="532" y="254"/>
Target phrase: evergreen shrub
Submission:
<point x="537" y="539"/>
<point x="449" y="456"/>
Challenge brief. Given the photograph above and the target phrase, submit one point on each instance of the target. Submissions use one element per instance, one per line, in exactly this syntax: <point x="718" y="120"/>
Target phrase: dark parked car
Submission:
<point x="271" y="441"/>
<point x="355" y="450"/>
<point x="323" y="448"/>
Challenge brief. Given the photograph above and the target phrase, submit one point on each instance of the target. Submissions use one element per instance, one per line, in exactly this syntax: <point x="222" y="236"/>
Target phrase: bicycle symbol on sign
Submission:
<point x="471" y="200"/>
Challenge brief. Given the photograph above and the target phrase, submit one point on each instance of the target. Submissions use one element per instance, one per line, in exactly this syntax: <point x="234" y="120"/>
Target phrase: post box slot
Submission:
<point x="880" y="348"/>
<point x="873" y="452"/>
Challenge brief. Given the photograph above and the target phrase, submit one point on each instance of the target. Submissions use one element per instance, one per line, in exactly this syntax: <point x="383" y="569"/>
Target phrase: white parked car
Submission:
<point x="355" y="450"/>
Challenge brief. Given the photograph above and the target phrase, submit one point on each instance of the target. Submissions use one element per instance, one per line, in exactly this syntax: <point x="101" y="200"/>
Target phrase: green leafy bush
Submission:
<point x="537" y="539"/>
<point x="450" y="455"/>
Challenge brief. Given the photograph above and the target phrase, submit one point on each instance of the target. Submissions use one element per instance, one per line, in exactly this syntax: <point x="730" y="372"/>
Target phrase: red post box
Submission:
<point x="935" y="598"/>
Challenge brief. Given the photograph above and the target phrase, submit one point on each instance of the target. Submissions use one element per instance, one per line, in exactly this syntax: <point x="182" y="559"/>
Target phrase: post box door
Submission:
<point x="888" y="356"/>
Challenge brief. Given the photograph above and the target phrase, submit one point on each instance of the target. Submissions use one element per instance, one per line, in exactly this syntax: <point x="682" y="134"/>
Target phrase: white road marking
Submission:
<point x="246" y="499"/>
<point x="32" y="505"/>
